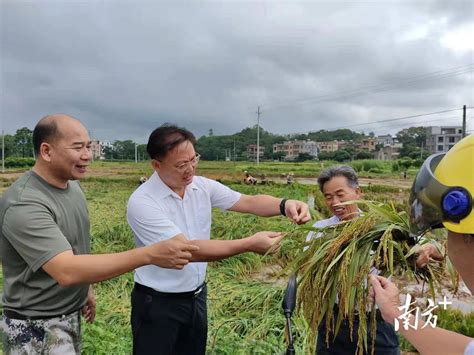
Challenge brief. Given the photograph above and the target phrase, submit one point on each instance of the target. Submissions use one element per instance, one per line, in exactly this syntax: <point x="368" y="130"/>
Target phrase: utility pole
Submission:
<point x="234" y="150"/>
<point x="464" y="121"/>
<point x="258" y="134"/>
<point x="136" y="156"/>
<point x="3" y="151"/>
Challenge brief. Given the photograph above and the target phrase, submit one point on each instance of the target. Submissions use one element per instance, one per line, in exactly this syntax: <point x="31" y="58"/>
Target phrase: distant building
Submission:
<point x="331" y="146"/>
<point x="440" y="139"/>
<point x="107" y="144"/>
<point x="292" y="149"/>
<point x="311" y="148"/>
<point x="385" y="140"/>
<point x="342" y="144"/>
<point x="252" y="152"/>
<point x="368" y="144"/>
<point x="97" y="149"/>
<point x="389" y="152"/>
<point x="388" y="148"/>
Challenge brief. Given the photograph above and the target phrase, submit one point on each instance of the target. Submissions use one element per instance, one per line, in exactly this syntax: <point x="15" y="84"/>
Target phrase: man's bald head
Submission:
<point x="48" y="129"/>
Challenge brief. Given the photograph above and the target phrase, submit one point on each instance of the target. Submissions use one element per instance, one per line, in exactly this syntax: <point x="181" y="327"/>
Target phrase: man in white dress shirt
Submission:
<point x="169" y="312"/>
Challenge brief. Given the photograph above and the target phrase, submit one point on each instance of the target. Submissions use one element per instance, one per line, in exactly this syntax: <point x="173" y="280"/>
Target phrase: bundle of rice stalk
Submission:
<point x="335" y="266"/>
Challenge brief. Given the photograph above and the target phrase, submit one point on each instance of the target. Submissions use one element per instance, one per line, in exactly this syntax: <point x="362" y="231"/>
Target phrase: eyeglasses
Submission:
<point x="192" y="163"/>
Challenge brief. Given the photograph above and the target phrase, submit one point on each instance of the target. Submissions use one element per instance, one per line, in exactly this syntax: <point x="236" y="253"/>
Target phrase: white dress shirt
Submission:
<point x="469" y="349"/>
<point x="156" y="213"/>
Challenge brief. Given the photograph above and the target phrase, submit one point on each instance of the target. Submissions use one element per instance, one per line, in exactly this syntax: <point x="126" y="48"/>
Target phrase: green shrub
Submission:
<point x="376" y="171"/>
<point x="342" y="155"/>
<point x="395" y="167"/>
<point x="405" y="163"/>
<point x="417" y="162"/>
<point x="371" y="164"/>
<point x="358" y="166"/>
<point x="364" y="155"/>
<point x="18" y="162"/>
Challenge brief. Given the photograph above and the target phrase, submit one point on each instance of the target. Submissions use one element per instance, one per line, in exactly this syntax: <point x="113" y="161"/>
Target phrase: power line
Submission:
<point x="398" y="118"/>
<point x="345" y="94"/>
<point x="402" y="124"/>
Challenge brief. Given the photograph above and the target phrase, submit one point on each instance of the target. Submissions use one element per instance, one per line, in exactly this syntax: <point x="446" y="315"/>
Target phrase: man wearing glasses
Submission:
<point x="169" y="312"/>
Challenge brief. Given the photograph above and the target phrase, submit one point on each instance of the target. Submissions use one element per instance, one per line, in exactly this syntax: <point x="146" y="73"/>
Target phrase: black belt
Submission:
<point x="153" y="292"/>
<point x="15" y="315"/>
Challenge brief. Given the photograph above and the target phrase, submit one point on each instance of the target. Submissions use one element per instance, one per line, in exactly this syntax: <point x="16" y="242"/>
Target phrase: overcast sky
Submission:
<point x="126" y="67"/>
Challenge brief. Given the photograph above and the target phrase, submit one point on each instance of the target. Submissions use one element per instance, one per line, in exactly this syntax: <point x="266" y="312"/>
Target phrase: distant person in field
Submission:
<point x="169" y="307"/>
<point x="290" y="178"/>
<point x="45" y="246"/>
<point x="249" y="179"/>
<point x="339" y="184"/>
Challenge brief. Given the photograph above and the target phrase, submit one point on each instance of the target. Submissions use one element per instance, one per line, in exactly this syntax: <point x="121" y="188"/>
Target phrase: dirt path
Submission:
<point x="123" y="171"/>
<point x="404" y="184"/>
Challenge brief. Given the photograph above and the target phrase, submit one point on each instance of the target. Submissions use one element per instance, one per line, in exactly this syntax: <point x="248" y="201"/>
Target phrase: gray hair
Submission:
<point x="339" y="170"/>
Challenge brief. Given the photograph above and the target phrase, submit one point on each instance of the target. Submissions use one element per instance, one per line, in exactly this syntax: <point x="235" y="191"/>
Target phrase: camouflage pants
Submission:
<point x="55" y="336"/>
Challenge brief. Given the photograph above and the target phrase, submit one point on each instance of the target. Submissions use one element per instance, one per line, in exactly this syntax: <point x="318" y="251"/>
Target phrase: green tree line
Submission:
<point x="212" y="147"/>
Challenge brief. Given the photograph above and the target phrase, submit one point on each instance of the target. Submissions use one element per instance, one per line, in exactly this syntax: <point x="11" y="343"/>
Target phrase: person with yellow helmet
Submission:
<point x="442" y="196"/>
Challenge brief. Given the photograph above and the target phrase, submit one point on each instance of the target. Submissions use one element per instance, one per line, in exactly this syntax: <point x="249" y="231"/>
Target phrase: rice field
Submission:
<point x="246" y="291"/>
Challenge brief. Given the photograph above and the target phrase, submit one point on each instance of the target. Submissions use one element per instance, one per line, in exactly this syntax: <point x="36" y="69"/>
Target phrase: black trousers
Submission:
<point x="386" y="339"/>
<point x="168" y="324"/>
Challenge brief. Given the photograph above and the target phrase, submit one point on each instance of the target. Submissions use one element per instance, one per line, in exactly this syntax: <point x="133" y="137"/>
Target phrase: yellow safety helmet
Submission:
<point x="442" y="193"/>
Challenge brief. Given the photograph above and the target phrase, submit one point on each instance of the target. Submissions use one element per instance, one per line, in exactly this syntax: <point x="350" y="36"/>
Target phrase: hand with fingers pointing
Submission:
<point x="297" y="211"/>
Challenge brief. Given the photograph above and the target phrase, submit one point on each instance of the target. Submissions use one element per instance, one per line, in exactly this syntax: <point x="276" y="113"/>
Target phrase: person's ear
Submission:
<point x="358" y="192"/>
<point x="45" y="151"/>
<point x="155" y="164"/>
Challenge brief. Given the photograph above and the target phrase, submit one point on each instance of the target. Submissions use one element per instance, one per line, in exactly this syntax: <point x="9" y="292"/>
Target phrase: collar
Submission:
<point x="162" y="190"/>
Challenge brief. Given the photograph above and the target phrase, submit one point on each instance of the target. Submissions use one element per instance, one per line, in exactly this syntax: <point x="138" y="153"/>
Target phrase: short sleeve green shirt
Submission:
<point x="38" y="222"/>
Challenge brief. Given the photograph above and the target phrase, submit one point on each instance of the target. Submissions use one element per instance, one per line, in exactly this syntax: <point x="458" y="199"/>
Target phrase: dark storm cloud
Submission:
<point x="126" y="67"/>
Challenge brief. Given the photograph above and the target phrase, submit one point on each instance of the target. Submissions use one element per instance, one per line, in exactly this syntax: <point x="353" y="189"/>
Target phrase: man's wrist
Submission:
<point x="282" y="207"/>
<point x="246" y="244"/>
<point x="144" y="255"/>
<point x="394" y="313"/>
